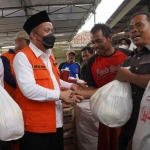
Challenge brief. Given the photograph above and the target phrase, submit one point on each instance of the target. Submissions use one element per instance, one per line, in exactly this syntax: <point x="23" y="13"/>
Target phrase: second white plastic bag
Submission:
<point x="11" y="120"/>
<point x="112" y="104"/>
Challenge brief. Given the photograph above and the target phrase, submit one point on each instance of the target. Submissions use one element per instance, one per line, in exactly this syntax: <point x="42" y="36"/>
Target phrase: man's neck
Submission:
<point x="110" y="52"/>
<point x="39" y="47"/>
<point x="139" y="48"/>
<point x="69" y="62"/>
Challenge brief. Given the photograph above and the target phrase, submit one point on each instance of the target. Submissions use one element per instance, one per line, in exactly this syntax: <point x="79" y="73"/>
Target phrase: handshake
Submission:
<point x="74" y="94"/>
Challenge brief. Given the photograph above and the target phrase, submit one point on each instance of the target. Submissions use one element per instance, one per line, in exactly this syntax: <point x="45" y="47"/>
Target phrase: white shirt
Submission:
<point x="27" y="84"/>
<point x="1" y="73"/>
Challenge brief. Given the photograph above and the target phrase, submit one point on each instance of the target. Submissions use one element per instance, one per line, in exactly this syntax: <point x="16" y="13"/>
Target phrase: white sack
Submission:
<point x="112" y="103"/>
<point x="141" y="137"/>
<point x="11" y="120"/>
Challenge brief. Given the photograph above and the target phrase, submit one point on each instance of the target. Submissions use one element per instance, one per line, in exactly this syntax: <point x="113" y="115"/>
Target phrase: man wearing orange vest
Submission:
<point x="38" y="92"/>
<point x="21" y="41"/>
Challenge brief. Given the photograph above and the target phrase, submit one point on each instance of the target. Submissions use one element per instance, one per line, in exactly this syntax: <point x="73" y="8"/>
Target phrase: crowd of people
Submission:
<point x="30" y="74"/>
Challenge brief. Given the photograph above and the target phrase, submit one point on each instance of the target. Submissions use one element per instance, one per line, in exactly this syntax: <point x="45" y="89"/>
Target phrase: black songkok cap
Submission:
<point x="35" y="20"/>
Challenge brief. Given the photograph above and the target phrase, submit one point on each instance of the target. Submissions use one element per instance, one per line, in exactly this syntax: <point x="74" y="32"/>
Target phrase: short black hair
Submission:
<point x="128" y="41"/>
<point x="90" y="49"/>
<point x="103" y="27"/>
<point x="141" y="13"/>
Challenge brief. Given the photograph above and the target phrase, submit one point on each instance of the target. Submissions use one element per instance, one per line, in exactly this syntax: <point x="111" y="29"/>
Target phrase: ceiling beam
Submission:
<point x="91" y="10"/>
<point x="24" y="6"/>
<point x="128" y="7"/>
<point x="27" y="6"/>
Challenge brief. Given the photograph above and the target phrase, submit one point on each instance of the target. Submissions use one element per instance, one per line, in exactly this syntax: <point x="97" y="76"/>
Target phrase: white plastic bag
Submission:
<point x="11" y="120"/>
<point x="141" y="137"/>
<point x="112" y="103"/>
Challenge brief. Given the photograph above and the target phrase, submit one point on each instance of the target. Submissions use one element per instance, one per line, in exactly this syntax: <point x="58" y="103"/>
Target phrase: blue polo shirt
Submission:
<point x="73" y="67"/>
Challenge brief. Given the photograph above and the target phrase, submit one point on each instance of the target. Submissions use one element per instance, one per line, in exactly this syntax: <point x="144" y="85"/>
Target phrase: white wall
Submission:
<point x="60" y="60"/>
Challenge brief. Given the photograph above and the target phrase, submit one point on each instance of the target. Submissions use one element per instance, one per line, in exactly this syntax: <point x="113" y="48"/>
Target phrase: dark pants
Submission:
<point x="4" y="145"/>
<point x="42" y="141"/>
<point x="123" y="141"/>
<point x="0" y="145"/>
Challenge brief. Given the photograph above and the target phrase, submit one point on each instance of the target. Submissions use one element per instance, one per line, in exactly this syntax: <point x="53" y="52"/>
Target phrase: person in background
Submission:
<point x="38" y="90"/>
<point x="74" y="67"/>
<point x="102" y="69"/>
<point x="21" y="41"/>
<point x="138" y="75"/>
<point x="124" y="43"/>
<point x="86" y="53"/>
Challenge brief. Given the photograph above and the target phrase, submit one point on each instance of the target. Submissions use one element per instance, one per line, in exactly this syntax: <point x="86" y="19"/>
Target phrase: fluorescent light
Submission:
<point x="62" y="34"/>
<point x="121" y="32"/>
<point x="8" y="46"/>
<point x="59" y="34"/>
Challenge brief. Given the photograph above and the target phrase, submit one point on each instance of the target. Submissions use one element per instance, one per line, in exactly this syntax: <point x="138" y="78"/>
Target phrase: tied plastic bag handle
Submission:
<point x="127" y="67"/>
<point x="78" y="80"/>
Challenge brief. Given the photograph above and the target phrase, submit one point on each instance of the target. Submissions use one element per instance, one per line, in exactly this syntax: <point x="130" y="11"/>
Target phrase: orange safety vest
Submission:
<point x="39" y="117"/>
<point x="9" y="88"/>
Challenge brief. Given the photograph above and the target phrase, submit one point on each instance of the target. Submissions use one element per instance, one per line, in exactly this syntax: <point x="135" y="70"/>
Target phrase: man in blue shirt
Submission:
<point x="74" y="67"/>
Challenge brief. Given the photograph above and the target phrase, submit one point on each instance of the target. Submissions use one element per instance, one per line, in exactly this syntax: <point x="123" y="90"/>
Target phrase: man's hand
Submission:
<point x="76" y="92"/>
<point x="82" y="86"/>
<point x="84" y="93"/>
<point x="74" y="87"/>
<point x="67" y="98"/>
<point x="78" y="86"/>
<point x="123" y="75"/>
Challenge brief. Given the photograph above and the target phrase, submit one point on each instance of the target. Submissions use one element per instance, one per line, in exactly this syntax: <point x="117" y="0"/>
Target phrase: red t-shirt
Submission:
<point x="102" y="70"/>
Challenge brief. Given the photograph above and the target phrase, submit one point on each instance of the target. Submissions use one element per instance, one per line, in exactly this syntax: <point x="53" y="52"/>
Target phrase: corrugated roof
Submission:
<point x="122" y="23"/>
<point x="67" y="16"/>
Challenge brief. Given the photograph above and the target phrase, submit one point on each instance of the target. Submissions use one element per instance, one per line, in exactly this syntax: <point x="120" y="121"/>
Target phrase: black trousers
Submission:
<point x="42" y="141"/>
<point x="4" y="145"/>
<point x="0" y="145"/>
<point x="123" y="141"/>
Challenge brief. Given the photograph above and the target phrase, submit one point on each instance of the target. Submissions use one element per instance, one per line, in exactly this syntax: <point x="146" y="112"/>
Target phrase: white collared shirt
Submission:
<point x="1" y="73"/>
<point x="27" y="84"/>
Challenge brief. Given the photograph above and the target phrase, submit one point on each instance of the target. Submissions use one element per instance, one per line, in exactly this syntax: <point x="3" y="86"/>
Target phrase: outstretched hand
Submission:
<point x="82" y="86"/>
<point x="66" y="97"/>
<point x="74" y="87"/>
<point x="77" y="93"/>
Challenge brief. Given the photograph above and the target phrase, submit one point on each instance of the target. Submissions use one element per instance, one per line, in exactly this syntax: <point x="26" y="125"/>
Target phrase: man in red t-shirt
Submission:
<point x="102" y="69"/>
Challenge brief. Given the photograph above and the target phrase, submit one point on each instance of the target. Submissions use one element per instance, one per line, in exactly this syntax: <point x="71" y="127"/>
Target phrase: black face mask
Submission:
<point x="48" y="41"/>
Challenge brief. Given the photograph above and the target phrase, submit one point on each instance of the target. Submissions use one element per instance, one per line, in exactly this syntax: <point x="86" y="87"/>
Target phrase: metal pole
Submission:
<point x="94" y="17"/>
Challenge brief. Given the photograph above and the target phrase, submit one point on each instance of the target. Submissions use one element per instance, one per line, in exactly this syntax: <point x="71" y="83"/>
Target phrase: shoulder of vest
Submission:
<point x="30" y="55"/>
<point x="7" y="55"/>
<point x="4" y="54"/>
<point x="26" y="50"/>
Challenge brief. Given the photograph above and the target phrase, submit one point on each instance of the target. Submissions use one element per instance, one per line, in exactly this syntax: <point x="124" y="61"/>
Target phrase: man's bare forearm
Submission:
<point x="88" y="93"/>
<point x="139" y="80"/>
